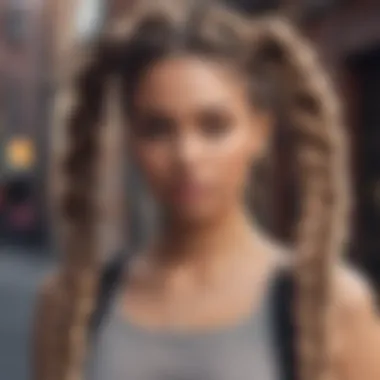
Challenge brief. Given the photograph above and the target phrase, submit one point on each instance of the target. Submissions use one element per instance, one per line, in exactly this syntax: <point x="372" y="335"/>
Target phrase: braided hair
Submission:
<point x="284" y="72"/>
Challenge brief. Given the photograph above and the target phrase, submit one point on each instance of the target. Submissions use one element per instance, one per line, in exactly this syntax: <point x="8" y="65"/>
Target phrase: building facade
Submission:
<point x="22" y="119"/>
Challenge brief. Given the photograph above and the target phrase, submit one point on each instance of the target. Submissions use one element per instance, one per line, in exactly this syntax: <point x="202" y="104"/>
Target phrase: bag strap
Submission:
<point x="284" y="326"/>
<point x="109" y="280"/>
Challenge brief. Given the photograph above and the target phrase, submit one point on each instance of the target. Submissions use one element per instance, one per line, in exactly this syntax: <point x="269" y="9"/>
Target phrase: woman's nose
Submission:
<point x="188" y="149"/>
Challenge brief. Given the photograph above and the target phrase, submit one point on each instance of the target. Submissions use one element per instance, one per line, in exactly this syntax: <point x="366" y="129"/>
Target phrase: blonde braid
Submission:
<point x="321" y="160"/>
<point x="79" y="208"/>
<point x="87" y="87"/>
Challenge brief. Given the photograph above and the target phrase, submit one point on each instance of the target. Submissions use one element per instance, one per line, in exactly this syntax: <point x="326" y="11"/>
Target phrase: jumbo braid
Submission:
<point x="85" y="90"/>
<point x="78" y="205"/>
<point x="314" y="115"/>
<point x="79" y="211"/>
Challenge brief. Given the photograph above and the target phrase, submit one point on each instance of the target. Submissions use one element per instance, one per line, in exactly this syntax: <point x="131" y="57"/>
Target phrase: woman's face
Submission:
<point x="195" y="136"/>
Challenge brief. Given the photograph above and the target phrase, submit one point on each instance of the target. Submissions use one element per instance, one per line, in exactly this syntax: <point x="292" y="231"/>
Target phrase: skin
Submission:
<point x="195" y="136"/>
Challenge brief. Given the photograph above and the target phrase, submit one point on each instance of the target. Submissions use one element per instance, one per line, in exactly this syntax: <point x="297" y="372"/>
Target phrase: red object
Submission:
<point x="2" y="198"/>
<point x="22" y="216"/>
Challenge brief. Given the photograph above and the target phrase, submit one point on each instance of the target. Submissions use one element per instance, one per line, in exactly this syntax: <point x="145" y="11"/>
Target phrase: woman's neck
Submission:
<point x="189" y="244"/>
<point x="189" y="257"/>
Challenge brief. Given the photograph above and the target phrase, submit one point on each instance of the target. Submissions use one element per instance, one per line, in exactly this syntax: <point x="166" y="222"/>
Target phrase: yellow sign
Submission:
<point x="20" y="153"/>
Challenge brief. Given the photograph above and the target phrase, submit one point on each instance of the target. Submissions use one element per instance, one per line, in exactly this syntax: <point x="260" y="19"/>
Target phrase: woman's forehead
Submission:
<point x="188" y="82"/>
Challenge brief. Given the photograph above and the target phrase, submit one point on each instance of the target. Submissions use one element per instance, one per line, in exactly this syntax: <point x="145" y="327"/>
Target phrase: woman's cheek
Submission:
<point x="234" y="162"/>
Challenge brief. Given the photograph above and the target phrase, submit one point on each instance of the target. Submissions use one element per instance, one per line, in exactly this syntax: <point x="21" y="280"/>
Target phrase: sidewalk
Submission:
<point x="21" y="271"/>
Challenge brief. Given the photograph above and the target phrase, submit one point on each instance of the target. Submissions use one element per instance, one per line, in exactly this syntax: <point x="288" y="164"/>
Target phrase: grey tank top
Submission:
<point x="245" y="351"/>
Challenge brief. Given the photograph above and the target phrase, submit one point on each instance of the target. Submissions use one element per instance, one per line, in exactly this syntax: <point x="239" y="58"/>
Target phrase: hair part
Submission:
<point x="266" y="48"/>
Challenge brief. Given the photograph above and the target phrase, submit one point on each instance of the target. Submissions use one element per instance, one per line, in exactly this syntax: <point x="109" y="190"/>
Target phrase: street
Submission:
<point x="21" y="271"/>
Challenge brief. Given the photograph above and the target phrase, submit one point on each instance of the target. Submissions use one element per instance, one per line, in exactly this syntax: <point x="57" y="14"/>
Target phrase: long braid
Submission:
<point x="314" y="114"/>
<point x="88" y="91"/>
<point x="79" y="208"/>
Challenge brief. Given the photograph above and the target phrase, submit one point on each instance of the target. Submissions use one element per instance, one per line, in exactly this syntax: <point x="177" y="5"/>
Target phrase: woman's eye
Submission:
<point x="214" y="124"/>
<point x="154" y="128"/>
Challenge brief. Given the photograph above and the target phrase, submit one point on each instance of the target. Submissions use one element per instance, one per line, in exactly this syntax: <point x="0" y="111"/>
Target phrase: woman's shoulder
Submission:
<point x="353" y="292"/>
<point x="351" y="289"/>
<point x="49" y="287"/>
<point x="44" y="323"/>
<point x="49" y="297"/>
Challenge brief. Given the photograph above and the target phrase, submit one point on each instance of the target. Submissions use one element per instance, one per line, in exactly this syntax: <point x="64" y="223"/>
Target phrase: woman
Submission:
<point x="200" y="88"/>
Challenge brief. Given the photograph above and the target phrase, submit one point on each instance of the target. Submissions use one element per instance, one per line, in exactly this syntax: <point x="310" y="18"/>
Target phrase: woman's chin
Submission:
<point x="194" y="214"/>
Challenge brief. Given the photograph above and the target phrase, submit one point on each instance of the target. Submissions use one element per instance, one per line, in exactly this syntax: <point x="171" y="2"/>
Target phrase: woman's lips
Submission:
<point x="188" y="192"/>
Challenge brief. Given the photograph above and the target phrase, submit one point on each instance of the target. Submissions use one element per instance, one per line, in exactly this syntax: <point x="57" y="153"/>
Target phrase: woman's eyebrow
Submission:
<point x="151" y="113"/>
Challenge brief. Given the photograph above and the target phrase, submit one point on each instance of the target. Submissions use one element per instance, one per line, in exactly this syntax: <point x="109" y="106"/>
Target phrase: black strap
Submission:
<point x="109" y="280"/>
<point x="284" y="327"/>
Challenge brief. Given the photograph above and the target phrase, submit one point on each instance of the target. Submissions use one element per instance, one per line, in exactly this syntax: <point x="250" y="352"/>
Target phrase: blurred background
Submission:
<point x="34" y="36"/>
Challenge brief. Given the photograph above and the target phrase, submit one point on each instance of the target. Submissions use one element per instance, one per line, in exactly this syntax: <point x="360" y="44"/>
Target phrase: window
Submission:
<point x="313" y="10"/>
<point x="15" y="24"/>
<point x="2" y="123"/>
<point x="13" y="107"/>
<point x="254" y="6"/>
